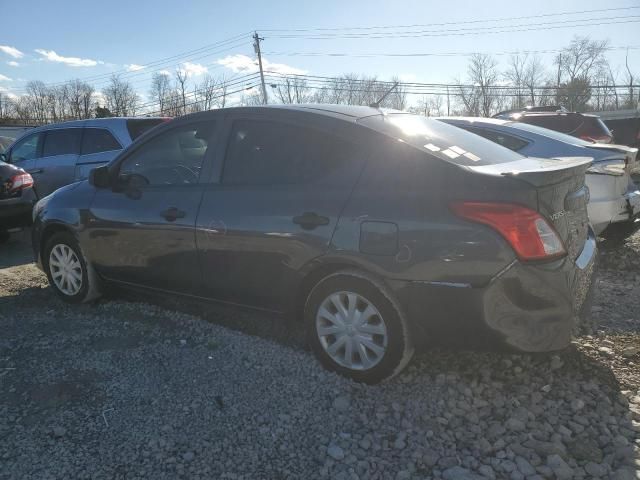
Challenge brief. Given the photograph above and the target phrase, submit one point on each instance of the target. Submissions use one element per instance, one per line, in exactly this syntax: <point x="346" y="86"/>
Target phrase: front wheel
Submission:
<point x="67" y="270"/>
<point x="356" y="329"/>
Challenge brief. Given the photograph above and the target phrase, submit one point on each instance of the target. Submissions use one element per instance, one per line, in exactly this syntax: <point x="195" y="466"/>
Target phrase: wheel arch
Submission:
<point x="320" y="269"/>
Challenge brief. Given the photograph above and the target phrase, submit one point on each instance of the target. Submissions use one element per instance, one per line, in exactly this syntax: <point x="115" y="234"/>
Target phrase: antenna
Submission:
<point x="377" y="104"/>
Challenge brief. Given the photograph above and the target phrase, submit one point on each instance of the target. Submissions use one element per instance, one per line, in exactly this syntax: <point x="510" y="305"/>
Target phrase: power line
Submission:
<point x="427" y="54"/>
<point x="464" y="22"/>
<point x="166" y="62"/>
<point x="193" y="93"/>
<point x="326" y="81"/>
<point x="462" y="32"/>
<point x="157" y="112"/>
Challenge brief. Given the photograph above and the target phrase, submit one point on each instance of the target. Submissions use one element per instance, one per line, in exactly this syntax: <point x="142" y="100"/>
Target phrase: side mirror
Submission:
<point x="3" y="157"/>
<point x="99" y="177"/>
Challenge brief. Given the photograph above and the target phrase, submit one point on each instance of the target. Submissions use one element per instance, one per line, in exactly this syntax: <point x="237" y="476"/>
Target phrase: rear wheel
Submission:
<point x="67" y="270"/>
<point x="355" y="329"/>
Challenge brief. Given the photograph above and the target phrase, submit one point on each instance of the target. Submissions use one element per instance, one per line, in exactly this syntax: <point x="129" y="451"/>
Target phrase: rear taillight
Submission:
<point x="528" y="233"/>
<point x="19" y="182"/>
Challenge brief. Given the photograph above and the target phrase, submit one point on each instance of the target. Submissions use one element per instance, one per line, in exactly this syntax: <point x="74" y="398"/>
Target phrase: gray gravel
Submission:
<point x="129" y="389"/>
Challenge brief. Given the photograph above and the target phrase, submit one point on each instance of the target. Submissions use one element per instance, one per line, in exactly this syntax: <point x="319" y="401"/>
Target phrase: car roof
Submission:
<point x="90" y="122"/>
<point x="349" y="113"/>
<point x="485" y="120"/>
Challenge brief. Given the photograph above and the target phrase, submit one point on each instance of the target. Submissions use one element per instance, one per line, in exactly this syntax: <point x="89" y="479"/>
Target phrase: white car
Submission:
<point x="614" y="197"/>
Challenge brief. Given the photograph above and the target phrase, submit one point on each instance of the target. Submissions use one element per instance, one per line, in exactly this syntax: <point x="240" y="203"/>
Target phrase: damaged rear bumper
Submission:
<point x="527" y="307"/>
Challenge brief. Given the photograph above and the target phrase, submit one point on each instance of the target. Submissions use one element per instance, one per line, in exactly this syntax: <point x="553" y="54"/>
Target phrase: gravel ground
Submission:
<point x="132" y="389"/>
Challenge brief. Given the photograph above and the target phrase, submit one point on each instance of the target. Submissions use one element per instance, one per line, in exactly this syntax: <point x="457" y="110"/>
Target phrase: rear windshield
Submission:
<point x="562" y="137"/>
<point x="138" y="127"/>
<point x="447" y="142"/>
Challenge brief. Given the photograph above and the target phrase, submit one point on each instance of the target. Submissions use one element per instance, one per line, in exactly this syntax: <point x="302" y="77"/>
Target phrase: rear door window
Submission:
<point x="273" y="153"/>
<point x="96" y="140"/>
<point x="62" y="141"/>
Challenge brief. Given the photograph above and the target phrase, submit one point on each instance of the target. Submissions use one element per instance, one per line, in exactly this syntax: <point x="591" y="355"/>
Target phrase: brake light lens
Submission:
<point x="529" y="233"/>
<point x="19" y="182"/>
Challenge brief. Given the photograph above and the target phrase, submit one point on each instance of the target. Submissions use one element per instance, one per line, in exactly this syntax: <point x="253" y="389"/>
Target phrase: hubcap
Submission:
<point x="66" y="269"/>
<point x="351" y="330"/>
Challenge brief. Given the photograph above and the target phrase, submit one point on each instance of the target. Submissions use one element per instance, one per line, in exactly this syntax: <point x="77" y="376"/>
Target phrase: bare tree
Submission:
<point x="533" y="77"/>
<point x="579" y="65"/>
<point x="160" y="91"/>
<point x="181" y="82"/>
<point x="631" y="101"/>
<point x="120" y="97"/>
<point x="515" y="75"/>
<point x="480" y="96"/>
<point x="293" y="90"/>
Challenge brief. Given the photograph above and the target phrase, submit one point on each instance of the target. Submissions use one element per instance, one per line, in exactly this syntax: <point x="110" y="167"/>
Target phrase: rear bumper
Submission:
<point x="531" y="308"/>
<point x="16" y="212"/>
<point x="625" y="208"/>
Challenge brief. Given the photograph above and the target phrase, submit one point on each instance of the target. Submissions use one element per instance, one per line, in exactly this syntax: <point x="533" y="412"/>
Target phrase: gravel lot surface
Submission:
<point x="132" y="389"/>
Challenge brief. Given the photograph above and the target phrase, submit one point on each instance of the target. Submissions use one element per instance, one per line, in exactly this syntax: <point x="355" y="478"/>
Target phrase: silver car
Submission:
<point x="62" y="153"/>
<point x="614" y="196"/>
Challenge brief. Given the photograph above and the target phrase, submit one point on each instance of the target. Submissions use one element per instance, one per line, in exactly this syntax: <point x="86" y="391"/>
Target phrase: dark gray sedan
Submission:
<point x="379" y="230"/>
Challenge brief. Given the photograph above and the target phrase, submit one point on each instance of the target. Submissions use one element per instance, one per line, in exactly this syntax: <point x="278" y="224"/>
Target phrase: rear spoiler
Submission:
<point x="538" y="171"/>
<point x="630" y="153"/>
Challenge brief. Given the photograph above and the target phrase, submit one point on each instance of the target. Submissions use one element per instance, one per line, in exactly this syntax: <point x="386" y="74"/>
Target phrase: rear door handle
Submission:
<point x="310" y="220"/>
<point x="37" y="170"/>
<point x="171" y="214"/>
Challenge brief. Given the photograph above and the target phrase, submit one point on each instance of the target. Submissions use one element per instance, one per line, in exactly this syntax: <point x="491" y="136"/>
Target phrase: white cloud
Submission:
<point x="13" y="63"/>
<point x="408" y="77"/>
<point x="11" y="51"/>
<point x="193" y="69"/>
<point x="134" y="67"/>
<point x="245" y="64"/>
<point x="165" y="72"/>
<point x="4" y="78"/>
<point x="52" y="56"/>
<point x="8" y="93"/>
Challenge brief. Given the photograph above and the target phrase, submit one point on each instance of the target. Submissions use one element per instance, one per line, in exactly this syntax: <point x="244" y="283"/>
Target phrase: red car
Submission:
<point x="17" y="198"/>
<point x="587" y="127"/>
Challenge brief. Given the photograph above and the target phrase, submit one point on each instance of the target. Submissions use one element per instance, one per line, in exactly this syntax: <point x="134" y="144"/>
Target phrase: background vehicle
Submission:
<point x="321" y="212"/>
<point x="4" y="143"/>
<point x="14" y="131"/>
<point x="614" y="197"/>
<point x="62" y="153"/>
<point x="16" y="199"/>
<point x="587" y="127"/>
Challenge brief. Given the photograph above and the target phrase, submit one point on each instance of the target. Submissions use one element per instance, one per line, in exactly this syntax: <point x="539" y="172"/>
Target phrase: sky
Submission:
<point x="61" y="40"/>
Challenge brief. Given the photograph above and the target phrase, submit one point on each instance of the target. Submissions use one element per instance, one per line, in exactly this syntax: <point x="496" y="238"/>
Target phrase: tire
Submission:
<point x="380" y="343"/>
<point x="81" y="286"/>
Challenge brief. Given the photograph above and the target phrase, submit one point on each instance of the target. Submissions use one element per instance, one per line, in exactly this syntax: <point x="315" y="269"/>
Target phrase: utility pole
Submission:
<point x="448" y="103"/>
<point x="256" y="47"/>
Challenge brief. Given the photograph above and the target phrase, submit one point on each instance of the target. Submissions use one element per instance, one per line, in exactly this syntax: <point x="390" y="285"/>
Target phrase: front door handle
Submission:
<point x="38" y="170"/>
<point x="172" y="214"/>
<point x="310" y="220"/>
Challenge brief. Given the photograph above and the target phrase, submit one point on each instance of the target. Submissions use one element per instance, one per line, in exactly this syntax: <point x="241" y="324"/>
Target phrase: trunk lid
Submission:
<point x="562" y="195"/>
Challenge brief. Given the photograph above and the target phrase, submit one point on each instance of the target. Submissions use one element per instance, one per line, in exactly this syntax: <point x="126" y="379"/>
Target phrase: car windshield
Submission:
<point x="447" y="142"/>
<point x="562" y="137"/>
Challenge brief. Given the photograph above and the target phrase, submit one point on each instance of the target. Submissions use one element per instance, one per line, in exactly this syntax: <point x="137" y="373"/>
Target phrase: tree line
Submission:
<point x="580" y="78"/>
